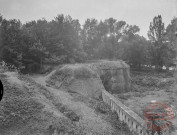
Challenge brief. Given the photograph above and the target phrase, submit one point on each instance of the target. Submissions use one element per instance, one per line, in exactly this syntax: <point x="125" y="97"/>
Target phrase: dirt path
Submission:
<point x="92" y="122"/>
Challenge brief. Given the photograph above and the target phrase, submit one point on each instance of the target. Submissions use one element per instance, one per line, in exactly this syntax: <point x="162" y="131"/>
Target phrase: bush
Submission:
<point x="68" y="113"/>
<point x="102" y="107"/>
<point x="72" y="116"/>
<point x="119" y="125"/>
<point x="65" y="126"/>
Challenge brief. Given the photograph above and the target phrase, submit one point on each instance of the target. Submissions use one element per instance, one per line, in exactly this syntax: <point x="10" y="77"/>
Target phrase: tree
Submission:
<point x="171" y="31"/>
<point x="30" y="45"/>
<point x="90" y="37"/>
<point x="156" y="35"/>
<point x="62" y="40"/>
<point x="164" y="42"/>
<point x="135" y="49"/>
<point x="112" y="36"/>
<point x="171" y="38"/>
<point x="10" y="40"/>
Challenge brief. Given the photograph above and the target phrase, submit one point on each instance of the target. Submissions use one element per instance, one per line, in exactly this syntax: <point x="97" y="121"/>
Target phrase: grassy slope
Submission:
<point x="17" y="107"/>
<point x="91" y="119"/>
<point x="29" y="108"/>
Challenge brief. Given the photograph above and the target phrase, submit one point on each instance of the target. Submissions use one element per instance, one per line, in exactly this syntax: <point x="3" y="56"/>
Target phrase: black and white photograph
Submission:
<point x="88" y="67"/>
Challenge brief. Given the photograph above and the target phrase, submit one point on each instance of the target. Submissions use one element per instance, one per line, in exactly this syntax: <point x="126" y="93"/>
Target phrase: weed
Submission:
<point x="102" y="107"/>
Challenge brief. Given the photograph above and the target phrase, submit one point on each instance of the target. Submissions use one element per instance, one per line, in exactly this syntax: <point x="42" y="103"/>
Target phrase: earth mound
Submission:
<point x="77" y="78"/>
<point x="89" y="79"/>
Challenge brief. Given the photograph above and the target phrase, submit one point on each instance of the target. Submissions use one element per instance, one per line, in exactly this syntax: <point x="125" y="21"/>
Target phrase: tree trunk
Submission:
<point x="41" y="64"/>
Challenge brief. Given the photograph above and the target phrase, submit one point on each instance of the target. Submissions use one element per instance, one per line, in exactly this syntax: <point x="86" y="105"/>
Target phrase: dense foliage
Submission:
<point x="63" y="40"/>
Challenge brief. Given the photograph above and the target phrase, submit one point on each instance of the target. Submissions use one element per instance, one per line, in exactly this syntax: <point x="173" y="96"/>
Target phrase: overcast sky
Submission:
<point x="135" y="12"/>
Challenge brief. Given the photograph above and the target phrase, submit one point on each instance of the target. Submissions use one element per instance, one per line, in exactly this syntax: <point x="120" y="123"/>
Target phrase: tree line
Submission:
<point x="63" y="40"/>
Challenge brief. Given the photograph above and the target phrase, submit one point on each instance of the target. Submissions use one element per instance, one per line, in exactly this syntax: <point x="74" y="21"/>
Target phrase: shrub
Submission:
<point x="72" y="116"/>
<point x="65" y="126"/>
<point x="119" y="125"/>
<point x="102" y="107"/>
<point x="68" y="113"/>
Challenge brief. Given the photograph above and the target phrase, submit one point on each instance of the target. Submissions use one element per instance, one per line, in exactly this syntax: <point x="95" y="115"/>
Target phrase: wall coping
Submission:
<point x="132" y="114"/>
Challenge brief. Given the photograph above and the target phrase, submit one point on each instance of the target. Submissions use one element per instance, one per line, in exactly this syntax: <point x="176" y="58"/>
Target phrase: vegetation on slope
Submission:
<point x="22" y="111"/>
<point x="17" y="107"/>
<point x="104" y="110"/>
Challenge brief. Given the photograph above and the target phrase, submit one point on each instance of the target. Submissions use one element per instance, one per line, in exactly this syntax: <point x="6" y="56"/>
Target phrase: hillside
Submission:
<point x="30" y="107"/>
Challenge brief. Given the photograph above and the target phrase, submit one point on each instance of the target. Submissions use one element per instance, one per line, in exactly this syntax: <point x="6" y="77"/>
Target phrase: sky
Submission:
<point x="134" y="12"/>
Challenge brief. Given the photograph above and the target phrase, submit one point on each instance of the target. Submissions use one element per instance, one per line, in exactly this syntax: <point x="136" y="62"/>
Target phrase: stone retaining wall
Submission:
<point x="134" y="122"/>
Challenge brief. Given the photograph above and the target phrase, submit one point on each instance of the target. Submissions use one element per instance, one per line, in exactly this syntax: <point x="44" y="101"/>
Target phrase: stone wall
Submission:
<point x="115" y="75"/>
<point x="134" y="122"/>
